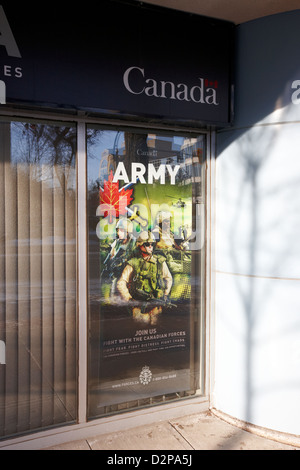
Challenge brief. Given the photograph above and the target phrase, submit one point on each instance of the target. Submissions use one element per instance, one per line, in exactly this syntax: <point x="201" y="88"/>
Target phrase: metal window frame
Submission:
<point x="121" y="421"/>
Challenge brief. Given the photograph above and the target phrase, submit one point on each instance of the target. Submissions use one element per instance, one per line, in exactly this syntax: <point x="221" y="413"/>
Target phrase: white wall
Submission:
<point x="257" y="245"/>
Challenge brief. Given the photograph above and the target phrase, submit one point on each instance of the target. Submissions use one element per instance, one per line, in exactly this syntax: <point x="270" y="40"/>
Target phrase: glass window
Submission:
<point x="37" y="276"/>
<point x="146" y="223"/>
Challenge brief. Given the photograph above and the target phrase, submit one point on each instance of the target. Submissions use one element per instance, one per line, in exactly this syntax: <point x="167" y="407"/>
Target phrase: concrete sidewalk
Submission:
<point x="203" y="431"/>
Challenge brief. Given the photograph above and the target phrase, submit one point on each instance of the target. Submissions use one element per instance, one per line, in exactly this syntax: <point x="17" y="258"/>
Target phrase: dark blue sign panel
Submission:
<point x="119" y="57"/>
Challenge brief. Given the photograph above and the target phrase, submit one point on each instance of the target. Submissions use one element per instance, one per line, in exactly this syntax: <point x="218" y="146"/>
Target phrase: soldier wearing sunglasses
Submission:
<point x="146" y="281"/>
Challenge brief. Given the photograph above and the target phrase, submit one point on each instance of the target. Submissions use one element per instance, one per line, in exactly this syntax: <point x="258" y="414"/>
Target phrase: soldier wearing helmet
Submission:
<point x="163" y="233"/>
<point x="146" y="280"/>
<point x="121" y="250"/>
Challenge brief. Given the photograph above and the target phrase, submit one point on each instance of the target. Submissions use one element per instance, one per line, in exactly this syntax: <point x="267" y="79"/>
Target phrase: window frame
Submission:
<point x="196" y="402"/>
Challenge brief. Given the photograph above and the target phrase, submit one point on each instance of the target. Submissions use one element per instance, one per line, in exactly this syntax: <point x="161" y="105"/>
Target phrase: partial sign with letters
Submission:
<point x="129" y="59"/>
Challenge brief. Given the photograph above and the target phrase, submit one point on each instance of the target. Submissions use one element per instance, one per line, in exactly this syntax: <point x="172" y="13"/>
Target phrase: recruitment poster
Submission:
<point x="144" y="190"/>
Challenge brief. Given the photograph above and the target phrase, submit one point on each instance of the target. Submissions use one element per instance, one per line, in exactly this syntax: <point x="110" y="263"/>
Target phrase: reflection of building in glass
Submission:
<point x="192" y="155"/>
<point x="189" y="155"/>
<point x="111" y="157"/>
<point x="107" y="164"/>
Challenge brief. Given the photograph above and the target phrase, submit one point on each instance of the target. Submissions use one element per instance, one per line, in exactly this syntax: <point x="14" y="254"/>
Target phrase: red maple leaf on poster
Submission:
<point x="113" y="201"/>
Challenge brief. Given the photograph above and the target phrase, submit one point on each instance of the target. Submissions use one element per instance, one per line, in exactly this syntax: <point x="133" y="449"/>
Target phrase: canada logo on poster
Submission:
<point x="146" y="376"/>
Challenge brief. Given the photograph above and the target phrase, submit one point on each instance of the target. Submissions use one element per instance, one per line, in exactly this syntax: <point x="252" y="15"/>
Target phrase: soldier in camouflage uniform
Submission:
<point x="121" y="250"/>
<point x="146" y="281"/>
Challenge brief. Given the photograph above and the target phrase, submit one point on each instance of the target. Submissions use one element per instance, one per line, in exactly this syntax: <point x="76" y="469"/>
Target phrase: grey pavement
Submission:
<point x="203" y="431"/>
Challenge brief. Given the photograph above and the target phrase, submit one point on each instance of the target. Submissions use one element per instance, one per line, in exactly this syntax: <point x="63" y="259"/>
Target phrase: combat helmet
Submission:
<point x="126" y="225"/>
<point x="145" y="237"/>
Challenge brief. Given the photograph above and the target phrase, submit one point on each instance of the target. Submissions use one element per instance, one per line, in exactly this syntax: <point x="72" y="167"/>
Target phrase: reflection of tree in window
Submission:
<point x="43" y="148"/>
<point x="38" y="273"/>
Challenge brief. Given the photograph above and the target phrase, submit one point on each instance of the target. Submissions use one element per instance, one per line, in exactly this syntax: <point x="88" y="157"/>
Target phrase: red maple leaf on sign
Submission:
<point x="113" y="201"/>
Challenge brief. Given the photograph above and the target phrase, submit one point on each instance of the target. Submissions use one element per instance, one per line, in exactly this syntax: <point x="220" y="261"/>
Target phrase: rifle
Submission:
<point x="113" y="266"/>
<point x="140" y="295"/>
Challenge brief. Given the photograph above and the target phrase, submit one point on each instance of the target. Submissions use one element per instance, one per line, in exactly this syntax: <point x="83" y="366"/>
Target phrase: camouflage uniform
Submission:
<point x="121" y="251"/>
<point x="144" y="280"/>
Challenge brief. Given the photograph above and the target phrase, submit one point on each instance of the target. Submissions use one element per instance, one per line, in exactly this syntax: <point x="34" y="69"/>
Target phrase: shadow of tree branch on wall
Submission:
<point x="260" y="240"/>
